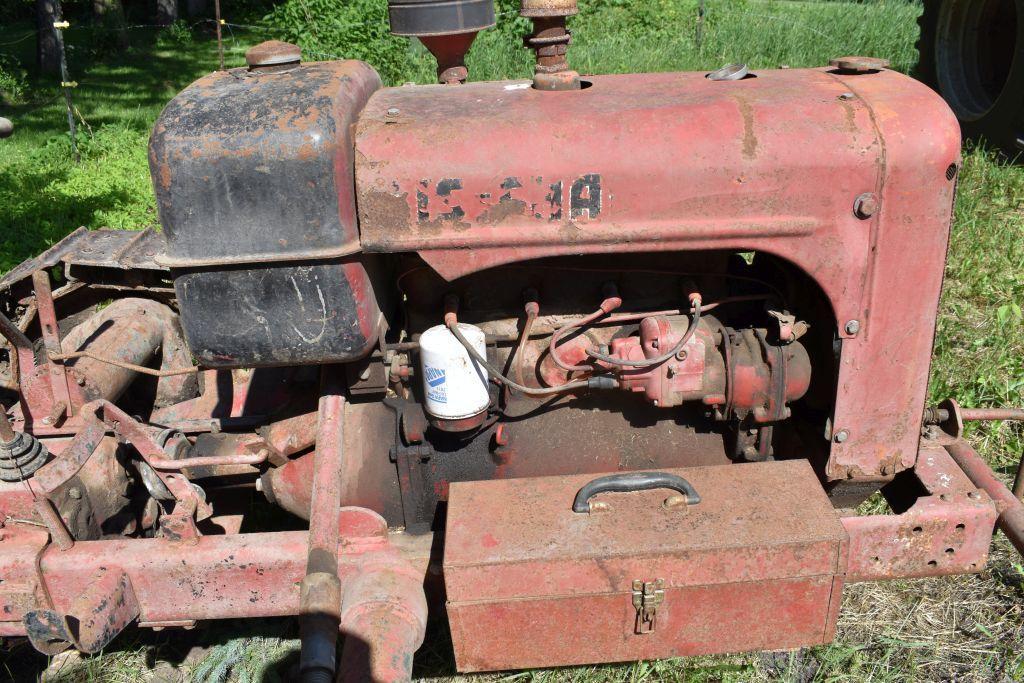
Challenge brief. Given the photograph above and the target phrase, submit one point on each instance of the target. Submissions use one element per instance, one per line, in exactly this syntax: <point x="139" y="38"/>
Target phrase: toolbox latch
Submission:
<point x="647" y="596"/>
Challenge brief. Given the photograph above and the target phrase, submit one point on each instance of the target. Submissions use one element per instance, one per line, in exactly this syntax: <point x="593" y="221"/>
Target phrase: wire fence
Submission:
<point x="701" y="15"/>
<point x="67" y="85"/>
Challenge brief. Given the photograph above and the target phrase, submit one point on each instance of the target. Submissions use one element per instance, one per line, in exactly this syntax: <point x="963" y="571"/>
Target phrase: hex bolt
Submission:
<point x="393" y="111"/>
<point x="865" y="206"/>
<point x="852" y="327"/>
<point x="74" y="492"/>
<point x="841" y="436"/>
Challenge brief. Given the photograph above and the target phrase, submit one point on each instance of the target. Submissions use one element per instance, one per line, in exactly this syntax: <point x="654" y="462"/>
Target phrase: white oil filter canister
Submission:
<point x="455" y="385"/>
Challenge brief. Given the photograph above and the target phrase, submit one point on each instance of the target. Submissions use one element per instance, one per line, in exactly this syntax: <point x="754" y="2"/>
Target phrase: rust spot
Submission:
<point x="506" y="207"/>
<point x="749" y="137"/>
<point x="388" y="210"/>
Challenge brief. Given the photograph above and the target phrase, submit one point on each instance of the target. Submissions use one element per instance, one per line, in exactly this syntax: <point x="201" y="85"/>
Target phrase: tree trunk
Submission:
<point x="196" y="8"/>
<point x="47" y="47"/>
<point x="166" y="12"/>
<point x="109" y="15"/>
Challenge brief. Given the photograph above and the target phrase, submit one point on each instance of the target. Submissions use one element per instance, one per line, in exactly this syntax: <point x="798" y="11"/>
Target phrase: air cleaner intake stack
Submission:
<point x="550" y="42"/>
<point x="445" y="27"/>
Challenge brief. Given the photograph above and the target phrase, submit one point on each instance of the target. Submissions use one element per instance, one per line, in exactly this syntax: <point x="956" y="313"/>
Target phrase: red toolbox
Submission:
<point x="757" y="563"/>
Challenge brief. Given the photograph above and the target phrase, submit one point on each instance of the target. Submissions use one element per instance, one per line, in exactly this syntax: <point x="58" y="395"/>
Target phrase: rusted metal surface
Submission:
<point x="384" y="619"/>
<point x="54" y="524"/>
<point x="579" y="189"/>
<point x="653" y="182"/>
<point x="63" y="406"/>
<point x="21" y="348"/>
<point x="450" y="53"/>
<point x="6" y="431"/>
<point x="949" y="415"/>
<point x="241" y="575"/>
<point x="545" y="8"/>
<point x="291" y="435"/>
<point x="217" y="123"/>
<point x="754" y="565"/>
<point x="859" y="64"/>
<point x="321" y="589"/>
<point x="368" y="479"/>
<point x="209" y="461"/>
<point x="985" y="414"/>
<point x="946" y="531"/>
<point x="541" y="442"/>
<point x="93" y="620"/>
<point x="1010" y="508"/>
<point x="273" y="54"/>
<point x="267" y="159"/>
<point x="110" y="249"/>
<point x="550" y="43"/>
<point x="130" y="332"/>
<point x="71" y="459"/>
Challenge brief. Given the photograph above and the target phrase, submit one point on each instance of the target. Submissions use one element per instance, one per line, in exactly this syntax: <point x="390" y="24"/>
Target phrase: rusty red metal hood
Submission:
<point x="639" y="162"/>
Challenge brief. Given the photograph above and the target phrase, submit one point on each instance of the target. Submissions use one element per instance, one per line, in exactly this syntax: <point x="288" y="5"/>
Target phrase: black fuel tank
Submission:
<point x="253" y="173"/>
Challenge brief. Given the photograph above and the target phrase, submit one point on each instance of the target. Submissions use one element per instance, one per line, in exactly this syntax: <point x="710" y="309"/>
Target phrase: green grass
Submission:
<point x="964" y="628"/>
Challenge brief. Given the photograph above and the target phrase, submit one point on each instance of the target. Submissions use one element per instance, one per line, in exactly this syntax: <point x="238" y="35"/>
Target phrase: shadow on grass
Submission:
<point x="266" y="649"/>
<point x="211" y="651"/>
<point x="115" y="86"/>
<point x="33" y="215"/>
<point x="43" y="194"/>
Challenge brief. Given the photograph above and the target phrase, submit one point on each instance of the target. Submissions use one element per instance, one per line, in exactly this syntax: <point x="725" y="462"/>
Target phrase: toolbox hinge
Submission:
<point x="647" y="596"/>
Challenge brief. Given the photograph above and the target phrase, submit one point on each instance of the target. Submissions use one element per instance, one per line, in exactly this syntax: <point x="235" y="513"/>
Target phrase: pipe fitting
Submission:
<point x="384" y="620"/>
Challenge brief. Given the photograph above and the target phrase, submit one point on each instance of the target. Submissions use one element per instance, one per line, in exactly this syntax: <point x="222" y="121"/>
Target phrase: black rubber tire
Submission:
<point x="972" y="53"/>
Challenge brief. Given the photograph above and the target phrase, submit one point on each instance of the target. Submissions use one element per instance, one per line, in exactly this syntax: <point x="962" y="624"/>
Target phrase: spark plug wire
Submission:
<point x="592" y="383"/>
<point x="607" y="306"/>
<point x="650" y="362"/>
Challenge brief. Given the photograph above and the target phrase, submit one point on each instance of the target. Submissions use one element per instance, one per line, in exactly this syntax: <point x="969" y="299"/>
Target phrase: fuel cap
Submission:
<point x="859" y="65"/>
<point x="273" y="55"/>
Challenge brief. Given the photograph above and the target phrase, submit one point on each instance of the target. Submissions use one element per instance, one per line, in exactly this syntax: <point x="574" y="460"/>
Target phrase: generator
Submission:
<point x="589" y="368"/>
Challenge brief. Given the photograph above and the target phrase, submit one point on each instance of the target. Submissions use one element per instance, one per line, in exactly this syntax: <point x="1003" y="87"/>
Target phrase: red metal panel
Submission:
<point x="751" y="566"/>
<point x="495" y="173"/>
<point x="543" y="632"/>
<point x="217" y="577"/>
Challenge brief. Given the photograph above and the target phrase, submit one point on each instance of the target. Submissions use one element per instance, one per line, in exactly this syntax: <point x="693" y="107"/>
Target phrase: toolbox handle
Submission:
<point x="633" y="481"/>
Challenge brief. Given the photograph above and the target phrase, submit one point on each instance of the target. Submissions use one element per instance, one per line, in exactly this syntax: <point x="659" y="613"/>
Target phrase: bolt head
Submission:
<point x="74" y="492"/>
<point x="852" y="327"/>
<point x="865" y="206"/>
<point x="393" y="111"/>
<point x="841" y="436"/>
